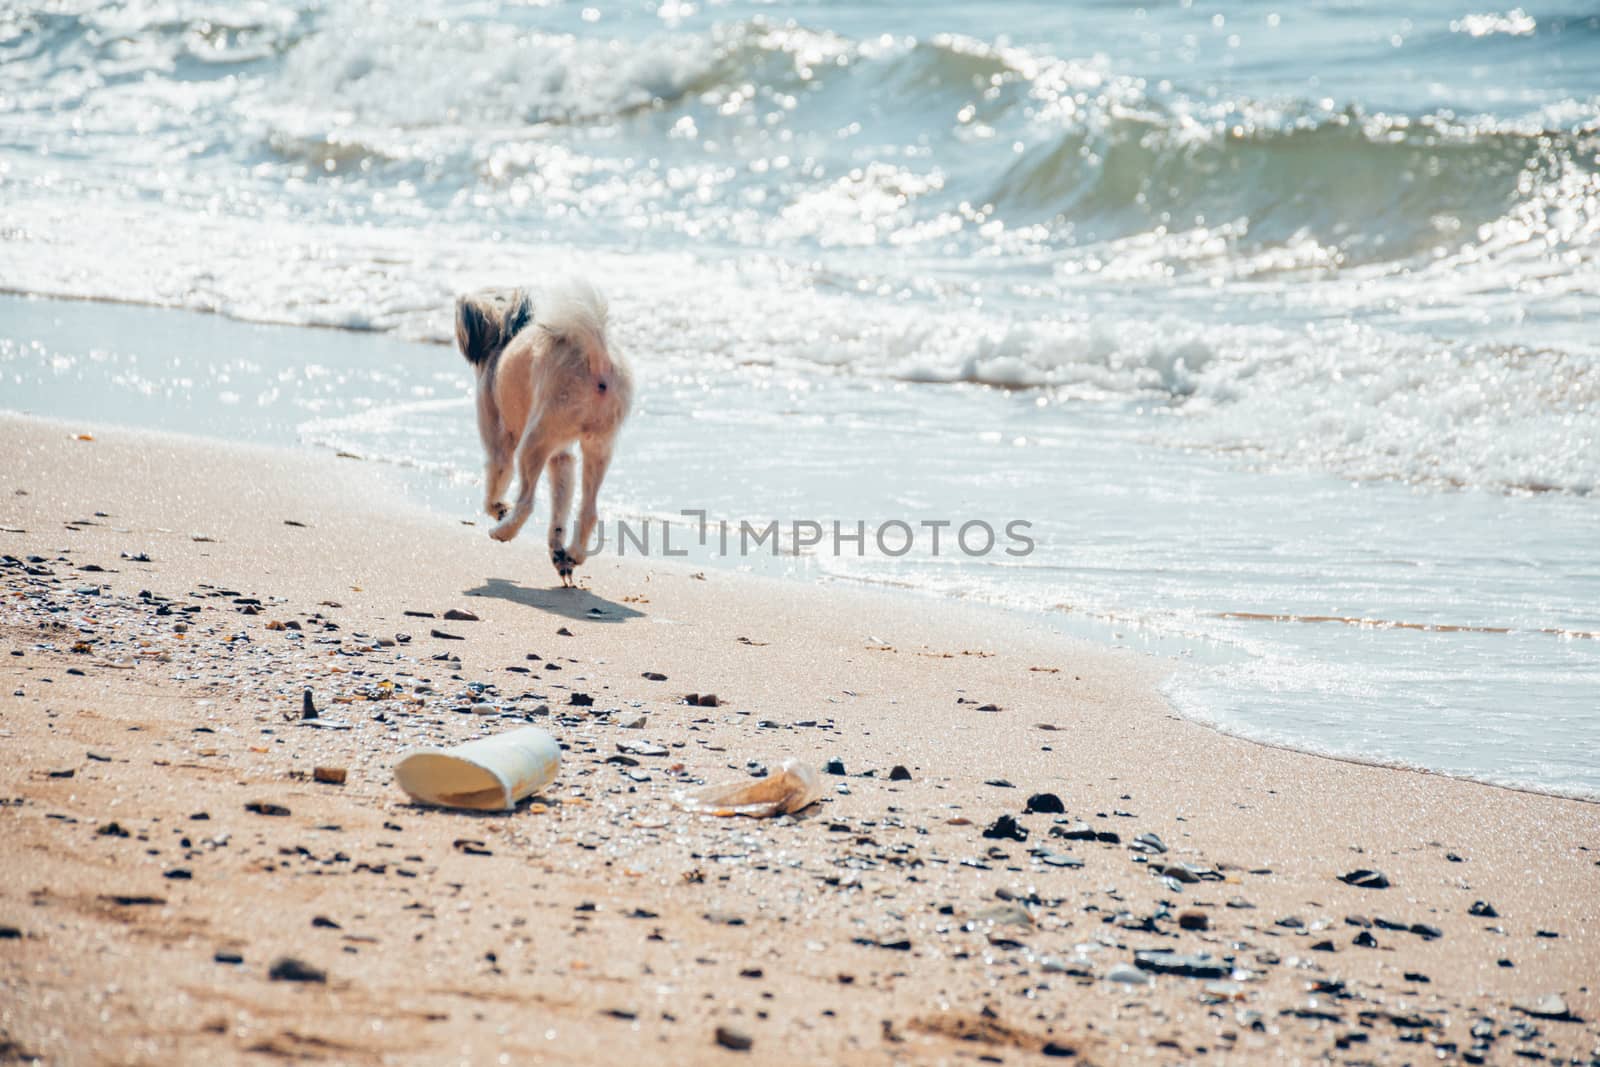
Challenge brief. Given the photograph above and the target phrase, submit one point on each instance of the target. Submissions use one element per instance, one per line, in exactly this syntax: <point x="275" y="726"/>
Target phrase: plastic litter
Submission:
<point x="489" y="774"/>
<point x="791" y="787"/>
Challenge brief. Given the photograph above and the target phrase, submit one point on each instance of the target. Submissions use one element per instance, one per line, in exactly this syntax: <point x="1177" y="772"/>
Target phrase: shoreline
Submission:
<point x="1027" y="956"/>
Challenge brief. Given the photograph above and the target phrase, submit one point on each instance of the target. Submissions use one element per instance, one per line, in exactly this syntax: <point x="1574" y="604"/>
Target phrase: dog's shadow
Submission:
<point x="578" y="604"/>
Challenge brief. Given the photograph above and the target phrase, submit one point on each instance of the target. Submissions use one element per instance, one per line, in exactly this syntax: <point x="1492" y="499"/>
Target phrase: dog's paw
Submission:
<point x="563" y="564"/>
<point x="497" y="509"/>
<point x="504" y="532"/>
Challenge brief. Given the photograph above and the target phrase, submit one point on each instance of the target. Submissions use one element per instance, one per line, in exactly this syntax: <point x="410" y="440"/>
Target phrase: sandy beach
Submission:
<point x="167" y="601"/>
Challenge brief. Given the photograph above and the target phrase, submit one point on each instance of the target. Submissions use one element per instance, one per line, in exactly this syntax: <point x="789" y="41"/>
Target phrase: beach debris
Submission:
<point x="489" y="774"/>
<point x="443" y="636"/>
<point x="581" y="700"/>
<point x="1164" y="961"/>
<point x="289" y="969"/>
<point x="834" y="766"/>
<point x="329" y="775"/>
<point x="1483" y="909"/>
<point x="1045" y="804"/>
<point x="737" y="1040"/>
<point x="792" y="787"/>
<point x="308" y="707"/>
<point x="899" y="773"/>
<point x="653" y="676"/>
<point x="701" y="700"/>
<point x="1006" y="827"/>
<point x="641" y="748"/>
<point x="457" y="615"/>
<point x="262" y="807"/>
<point x="224" y="955"/>
<point x="1549" y="1006"/>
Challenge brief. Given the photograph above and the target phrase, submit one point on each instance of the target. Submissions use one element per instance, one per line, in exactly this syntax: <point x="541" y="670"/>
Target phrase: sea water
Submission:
<point x="1274" y="321"/>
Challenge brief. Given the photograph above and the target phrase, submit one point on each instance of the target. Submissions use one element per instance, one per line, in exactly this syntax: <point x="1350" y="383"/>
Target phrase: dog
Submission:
<point x="547" y="380"/>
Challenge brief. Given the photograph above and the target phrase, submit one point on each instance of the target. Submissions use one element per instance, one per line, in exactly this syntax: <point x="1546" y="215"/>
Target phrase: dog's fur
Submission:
<point x="547" y="380"/>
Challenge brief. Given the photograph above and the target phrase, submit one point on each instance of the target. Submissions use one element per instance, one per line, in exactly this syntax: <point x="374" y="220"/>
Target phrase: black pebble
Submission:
<point x="899" y="773"/>
<point x="737" y="1040"/>
<point x="1365" y="940"/>
<point x="225" y="956"/>
<point x="1483" y="909"/>
<point x="1046" y="804"/>
<point x="834" y="766"/>
<point x="289" y="969"/>
<point x="1006" y="827"/>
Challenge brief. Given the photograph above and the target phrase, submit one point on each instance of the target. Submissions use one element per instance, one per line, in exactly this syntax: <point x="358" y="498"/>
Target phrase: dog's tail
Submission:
<point x="575" y="312"/>
<point x="488" y="319"/>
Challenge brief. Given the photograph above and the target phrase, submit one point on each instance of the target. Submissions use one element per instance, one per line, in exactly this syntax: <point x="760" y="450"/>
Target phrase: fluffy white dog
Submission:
<point x="547" y="380"/>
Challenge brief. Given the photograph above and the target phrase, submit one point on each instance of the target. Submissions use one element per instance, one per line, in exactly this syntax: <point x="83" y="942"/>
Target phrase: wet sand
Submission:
<point x="149" y="704"/>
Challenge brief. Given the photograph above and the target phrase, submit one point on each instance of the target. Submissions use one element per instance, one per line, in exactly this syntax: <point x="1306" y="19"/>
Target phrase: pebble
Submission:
<point x="1123" y="974"/>
<point x="1483" y="909"/>
<point x="289" y="969"/>
<point x="457" y="615"/>
<point x="1549" y="1006"/>
<point x="834" y="766"/>
<point x="1006" y="827"/>
<point x="737" y="1040"/>
<point x="1045" y="804"/>
<point x="261" y="807"/>
<point x="1362" y="878"/>
<point x="329" y="775"/>
<point x="899" y="773"/>
<point x="227" y="956"/>
<point x="1162" y="961"/>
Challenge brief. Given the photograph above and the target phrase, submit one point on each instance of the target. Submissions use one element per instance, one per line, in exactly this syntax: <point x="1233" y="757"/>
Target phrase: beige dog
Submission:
<point x="546" y="381"/>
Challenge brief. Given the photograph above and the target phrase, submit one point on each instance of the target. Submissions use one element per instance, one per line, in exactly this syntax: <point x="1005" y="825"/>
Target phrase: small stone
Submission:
<point x="443" y="636"/>
<point x="1483" y="909"/>
<point x="834" y="766"/>
<point x="1362" y="878"/>
<point x="482" y="708"/>
<point x="1126" y="975"/>
<point x="329" y="775"/>
<point x="308" y="707"/>
<point x="289" y="969"/>
<point x="1426" y="932"/>
<point x="737" y="1040"/>
<point x="178" y="874"/>
<point x="581" y="700"/>
<point x="227" y="956"/>
<point x="899" y="773"/>
<point x="1058" y="1050"/>
<point x="322" y="922"/>
<point x="262" y="807"/>
<point x="10" y="933"/>
<point x="654" y="676"/>
<point x="1193" y="920"/>
<point x="1006" y="827"/>
<point x="999" y="783"/>
<point x="1549" y="1006"/>
<point x="457" y="615"/>
<point x="112" y="829"/>
<point x="1365" y="940"/>
<point x="1164" y="962"/>
<point x="1045" y="804"/>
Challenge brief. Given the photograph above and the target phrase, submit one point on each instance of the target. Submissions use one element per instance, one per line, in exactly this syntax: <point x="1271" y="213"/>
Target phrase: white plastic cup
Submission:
<point x="489" y="774"/>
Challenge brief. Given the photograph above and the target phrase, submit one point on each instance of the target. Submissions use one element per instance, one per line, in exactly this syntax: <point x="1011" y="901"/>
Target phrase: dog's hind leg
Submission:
<point x="498" y="446"/>
<point x="561" y="473"/>
<point x="533" y="451"/>
<point x="596" y="459"/>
